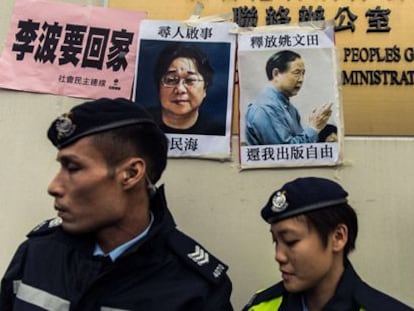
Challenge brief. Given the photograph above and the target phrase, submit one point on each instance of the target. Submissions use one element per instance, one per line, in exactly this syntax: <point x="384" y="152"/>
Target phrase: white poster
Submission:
<point x="185" y="78"/>
<point x="290" y="103"/>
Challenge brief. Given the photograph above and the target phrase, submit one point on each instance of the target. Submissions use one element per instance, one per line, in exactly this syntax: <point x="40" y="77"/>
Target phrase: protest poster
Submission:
<point x="290" y="101"/>
<point x="73" y="50"/>
<point x="185" y="78"/>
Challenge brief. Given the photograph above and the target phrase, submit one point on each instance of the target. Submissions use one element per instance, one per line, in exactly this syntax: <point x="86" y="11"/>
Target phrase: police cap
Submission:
<point x="302" y="195"/>
<point x="96" y="116"/>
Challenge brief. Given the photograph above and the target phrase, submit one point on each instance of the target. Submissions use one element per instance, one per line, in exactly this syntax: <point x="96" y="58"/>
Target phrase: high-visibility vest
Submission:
<point x="272" y="305"/>
<point x="269" y="305"/>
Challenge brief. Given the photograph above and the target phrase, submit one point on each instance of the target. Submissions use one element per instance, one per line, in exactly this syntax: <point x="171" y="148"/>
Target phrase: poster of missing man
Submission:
<point x="185" y="78"/>
<point x="290" y="101"/>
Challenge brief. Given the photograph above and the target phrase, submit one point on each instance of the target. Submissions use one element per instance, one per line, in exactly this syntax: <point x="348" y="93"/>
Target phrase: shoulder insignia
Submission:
<point x="197" y="257"/>
<point x="45" y="227"/>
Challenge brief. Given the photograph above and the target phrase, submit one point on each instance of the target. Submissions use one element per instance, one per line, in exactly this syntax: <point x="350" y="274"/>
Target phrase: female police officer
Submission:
<point x="314" y="229"/>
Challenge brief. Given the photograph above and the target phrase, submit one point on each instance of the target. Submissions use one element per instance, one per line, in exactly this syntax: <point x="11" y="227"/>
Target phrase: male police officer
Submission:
<point x="114" y="245"/>
<point x="314" y="229"/>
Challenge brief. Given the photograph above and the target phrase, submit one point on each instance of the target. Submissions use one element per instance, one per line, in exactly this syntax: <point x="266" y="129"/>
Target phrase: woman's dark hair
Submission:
<point x="176" y="50"/>
<point x="280" y="60"/>
<point x="325" y="221"/>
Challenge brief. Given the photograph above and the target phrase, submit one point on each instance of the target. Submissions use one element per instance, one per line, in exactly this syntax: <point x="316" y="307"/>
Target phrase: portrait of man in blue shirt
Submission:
<point x="271" y="118"/>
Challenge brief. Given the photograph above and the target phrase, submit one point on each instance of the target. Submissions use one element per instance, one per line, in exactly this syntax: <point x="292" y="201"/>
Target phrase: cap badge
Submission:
<point x="279" y="203"/>
<point x="64" y="126"/>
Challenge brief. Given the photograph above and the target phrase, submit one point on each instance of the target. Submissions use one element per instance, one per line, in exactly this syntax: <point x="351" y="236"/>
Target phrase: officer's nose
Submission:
<point x="280" y="255"/>
<point x="55" y="188"/>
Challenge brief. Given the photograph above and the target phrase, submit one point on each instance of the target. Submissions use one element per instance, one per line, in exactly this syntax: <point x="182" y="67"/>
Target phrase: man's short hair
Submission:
<point x="139" y="140"/>
<point x="281" y="61"/>
<point x="176" y="50"/>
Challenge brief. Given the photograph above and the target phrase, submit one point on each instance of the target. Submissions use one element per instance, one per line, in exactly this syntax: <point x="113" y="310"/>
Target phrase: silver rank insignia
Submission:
<point x="55" y="222"/>
<point x="39" y="226"/>
<point x="199" y="256"/>
<point x="64" y="126"/>
<point x="279" y="203"/>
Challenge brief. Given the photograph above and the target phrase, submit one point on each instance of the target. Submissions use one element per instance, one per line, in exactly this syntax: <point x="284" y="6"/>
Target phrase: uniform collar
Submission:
<point x="163" y="222"/>
<point x="341" y="301"/>
<point x="304" y="307"/>
<point x="115" y="253"/>
<point x="343" y="297"/>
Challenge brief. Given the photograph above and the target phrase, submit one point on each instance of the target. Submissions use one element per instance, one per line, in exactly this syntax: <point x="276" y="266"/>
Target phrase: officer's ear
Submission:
<point x="132" y="172"/>
<point x="339" y="237"/>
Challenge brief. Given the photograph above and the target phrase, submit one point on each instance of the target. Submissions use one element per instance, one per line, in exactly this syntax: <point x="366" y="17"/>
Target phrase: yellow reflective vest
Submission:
<point x="272" y="305"/>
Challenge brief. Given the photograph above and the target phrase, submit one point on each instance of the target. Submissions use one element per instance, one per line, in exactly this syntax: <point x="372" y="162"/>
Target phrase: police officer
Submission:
<point x="114" y="244"/>
<point x="314" y="229"/>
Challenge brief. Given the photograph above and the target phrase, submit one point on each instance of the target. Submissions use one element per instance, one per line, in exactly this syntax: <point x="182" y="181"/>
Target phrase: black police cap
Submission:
<point x="96" y="116"/>
<point x="302" y="195"/>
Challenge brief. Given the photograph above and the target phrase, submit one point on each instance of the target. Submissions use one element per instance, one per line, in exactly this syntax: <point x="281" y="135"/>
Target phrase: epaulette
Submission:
<point x="197" y="257"/>
<point x="45" y="227"/>
<point x="270" y="293"/>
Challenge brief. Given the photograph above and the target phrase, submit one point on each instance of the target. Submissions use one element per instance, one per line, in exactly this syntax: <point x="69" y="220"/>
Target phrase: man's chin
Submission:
<point x="295" y="92"/>
<point x="73" y="228"/>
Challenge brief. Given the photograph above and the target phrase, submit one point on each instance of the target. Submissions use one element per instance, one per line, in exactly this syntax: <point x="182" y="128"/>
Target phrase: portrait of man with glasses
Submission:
<point x="189" y="96"/>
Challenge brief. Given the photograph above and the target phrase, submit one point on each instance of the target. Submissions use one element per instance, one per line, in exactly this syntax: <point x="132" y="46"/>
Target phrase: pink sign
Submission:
<point x="73" y="50"/>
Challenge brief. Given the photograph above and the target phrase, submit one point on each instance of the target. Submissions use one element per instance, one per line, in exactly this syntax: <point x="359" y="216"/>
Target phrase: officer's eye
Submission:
<point x="70" y="166"/>
<point x="291" y="243"/>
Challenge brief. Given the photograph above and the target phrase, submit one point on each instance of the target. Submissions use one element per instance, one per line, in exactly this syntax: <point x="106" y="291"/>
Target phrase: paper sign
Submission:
<point x="73" y="50"/>
<point x="185" y="78"/>
<point x="291" y="112"/>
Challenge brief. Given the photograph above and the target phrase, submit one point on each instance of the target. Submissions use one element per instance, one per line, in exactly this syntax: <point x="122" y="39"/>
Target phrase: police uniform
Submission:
<point x="165" y="270"/>
<point x="352" y="294"/>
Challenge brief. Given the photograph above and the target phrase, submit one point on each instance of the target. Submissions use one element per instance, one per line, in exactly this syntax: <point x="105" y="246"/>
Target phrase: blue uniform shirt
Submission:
<point x="115" y="253"/>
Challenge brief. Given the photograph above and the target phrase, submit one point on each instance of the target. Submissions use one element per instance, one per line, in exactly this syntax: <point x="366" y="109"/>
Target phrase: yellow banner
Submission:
<point x="373" y="38"/>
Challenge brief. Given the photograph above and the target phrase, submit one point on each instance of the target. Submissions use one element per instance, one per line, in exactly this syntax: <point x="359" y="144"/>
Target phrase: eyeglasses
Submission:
<point x="173" y="81"/>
